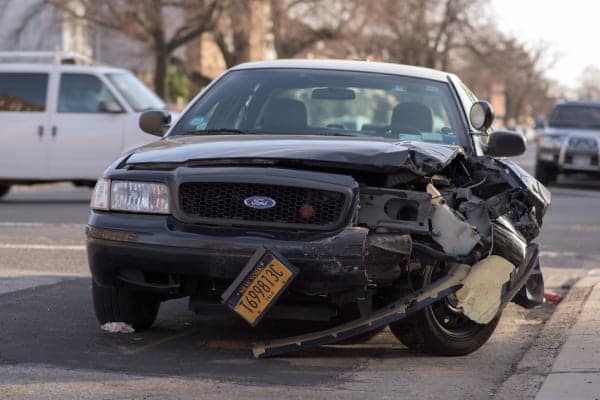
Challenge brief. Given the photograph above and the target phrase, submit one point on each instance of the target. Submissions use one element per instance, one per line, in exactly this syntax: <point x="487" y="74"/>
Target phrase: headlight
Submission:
<point x="550" y="141"/>
<point x="101" y="195"/>
<point x="141" y="197"/>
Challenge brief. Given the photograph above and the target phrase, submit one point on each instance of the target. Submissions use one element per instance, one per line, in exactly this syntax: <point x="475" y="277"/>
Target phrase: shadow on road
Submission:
<point x="55" y="325"/>
<point x="575" y="182"/>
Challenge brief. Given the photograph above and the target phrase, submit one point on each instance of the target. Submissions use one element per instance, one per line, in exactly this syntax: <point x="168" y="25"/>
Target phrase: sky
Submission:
<point x="571" y="28"/>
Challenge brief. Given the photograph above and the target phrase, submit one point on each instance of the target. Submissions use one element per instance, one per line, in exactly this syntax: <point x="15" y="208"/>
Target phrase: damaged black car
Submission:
<point x="363" y="194"/>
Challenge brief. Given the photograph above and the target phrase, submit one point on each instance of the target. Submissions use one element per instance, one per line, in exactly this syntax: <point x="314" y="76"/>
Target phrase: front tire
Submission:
<point x="441" y="329"/>
<point x="115" y="304"/>
<point x="545" y="173"/>
<point x="4" y="189"/>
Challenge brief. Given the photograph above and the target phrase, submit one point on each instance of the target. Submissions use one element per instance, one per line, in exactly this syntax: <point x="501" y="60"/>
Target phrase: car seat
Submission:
<point x="285" y="115"/>
<point x="411" y="117"/>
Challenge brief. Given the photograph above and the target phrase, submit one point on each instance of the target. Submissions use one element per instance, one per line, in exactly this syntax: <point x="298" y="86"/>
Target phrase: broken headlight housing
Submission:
<point x="131" y="196"/>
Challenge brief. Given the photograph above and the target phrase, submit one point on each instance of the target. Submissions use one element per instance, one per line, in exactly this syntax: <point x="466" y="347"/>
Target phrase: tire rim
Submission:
<point x="445" y="313"/>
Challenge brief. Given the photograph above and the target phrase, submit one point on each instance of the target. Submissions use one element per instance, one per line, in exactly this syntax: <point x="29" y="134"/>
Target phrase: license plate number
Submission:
<point x="581" y="160"/>
<point x="258" y="286"/>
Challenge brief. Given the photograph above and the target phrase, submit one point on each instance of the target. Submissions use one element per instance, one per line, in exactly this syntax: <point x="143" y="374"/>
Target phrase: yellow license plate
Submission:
<point x="258" y="286"/>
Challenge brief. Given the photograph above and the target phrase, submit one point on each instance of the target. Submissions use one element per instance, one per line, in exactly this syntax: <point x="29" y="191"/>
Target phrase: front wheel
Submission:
<point x="115" y="304"/>
<point x="442" y="329"/>
<point x="4" y="189"/>
<point x="545" y="173"/>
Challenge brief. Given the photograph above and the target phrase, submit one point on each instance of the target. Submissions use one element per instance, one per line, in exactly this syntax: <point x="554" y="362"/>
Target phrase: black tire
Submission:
<point x="4" y="189"/>
<point x="123" y="305"/>
<point x="532" y="292"/>
<point x="545" y="173"/>
<point x="441" y="329"/>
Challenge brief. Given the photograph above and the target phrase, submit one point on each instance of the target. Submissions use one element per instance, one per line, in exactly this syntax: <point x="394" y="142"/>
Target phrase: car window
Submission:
<point x="82" y="93"/>
<point x="23" y="92"/>
<point x="575" y="116"/>
<point x="324" y="102"/>
<point x="138" y="96"/>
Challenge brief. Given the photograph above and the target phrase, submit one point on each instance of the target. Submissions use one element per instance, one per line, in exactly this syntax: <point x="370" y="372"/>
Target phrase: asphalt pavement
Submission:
<point x="52" y="346"/>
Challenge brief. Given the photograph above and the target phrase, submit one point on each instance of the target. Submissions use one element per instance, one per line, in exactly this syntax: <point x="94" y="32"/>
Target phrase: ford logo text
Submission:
<point x="260" y="202"/>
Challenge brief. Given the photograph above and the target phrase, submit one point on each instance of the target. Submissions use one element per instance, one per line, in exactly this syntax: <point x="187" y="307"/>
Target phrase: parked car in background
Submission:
<point x="66" y="122"/>
<point x="570" y="142"/>
<point x="352" y="192"/>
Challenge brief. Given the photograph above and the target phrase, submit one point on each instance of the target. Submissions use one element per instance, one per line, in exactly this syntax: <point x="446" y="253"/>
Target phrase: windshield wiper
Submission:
<point x="220" y="131"/>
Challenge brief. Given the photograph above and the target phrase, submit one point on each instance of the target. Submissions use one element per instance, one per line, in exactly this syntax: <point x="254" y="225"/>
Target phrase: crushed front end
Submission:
<point x="374" y="244"/>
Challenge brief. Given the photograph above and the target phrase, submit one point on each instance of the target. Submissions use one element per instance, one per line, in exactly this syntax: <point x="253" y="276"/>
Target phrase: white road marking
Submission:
<point x="554" y="254"/>
<point x="34" y="225"/>
<point x="573" y="227"/>
<point x="25" y="246"/>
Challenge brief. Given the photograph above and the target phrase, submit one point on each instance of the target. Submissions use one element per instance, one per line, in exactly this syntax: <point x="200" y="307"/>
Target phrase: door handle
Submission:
<point x="53" y="132"/>
<point x="40" y="131"/>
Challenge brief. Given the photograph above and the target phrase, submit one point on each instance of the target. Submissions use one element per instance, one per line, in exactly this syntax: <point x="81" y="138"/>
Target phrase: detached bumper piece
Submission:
<point x="391" y="313"/>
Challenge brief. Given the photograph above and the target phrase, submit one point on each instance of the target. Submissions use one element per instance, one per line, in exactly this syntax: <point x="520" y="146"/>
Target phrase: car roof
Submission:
<point x="585" y="103"/>
<point x="350" y="65"/>
<point x="47" y="67"/>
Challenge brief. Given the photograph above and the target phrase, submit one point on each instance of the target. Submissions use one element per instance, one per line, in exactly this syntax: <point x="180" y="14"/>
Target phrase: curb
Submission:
<point x="537" y="362"/>
<point x="575" y="373"/>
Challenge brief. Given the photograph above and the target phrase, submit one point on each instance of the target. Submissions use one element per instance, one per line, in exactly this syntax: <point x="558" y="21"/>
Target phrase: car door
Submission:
<point x="24" y="116"/>
<point x="86" y="130"/>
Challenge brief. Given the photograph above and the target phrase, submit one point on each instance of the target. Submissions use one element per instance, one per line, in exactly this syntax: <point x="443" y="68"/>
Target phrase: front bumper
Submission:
<point x="128" y="249"/>
<point x="576" y="154"/>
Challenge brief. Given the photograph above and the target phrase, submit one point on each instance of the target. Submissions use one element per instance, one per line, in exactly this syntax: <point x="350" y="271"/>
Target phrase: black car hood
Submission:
<point x="349" y="152"/>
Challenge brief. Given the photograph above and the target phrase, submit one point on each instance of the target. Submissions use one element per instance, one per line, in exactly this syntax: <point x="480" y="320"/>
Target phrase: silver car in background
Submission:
<point x="570" y="142"/>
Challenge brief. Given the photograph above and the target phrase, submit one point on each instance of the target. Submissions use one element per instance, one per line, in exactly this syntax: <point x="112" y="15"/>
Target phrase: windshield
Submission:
<point x="139" y="97"/>
<point x="325" y="102"/>
<point x="575" y="116"/>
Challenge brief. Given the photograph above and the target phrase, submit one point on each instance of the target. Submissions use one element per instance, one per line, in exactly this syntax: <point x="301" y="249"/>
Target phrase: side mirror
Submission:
<point x="155" y="122"/>
<point x="481" y="115"/>
<point x="505" y="144"/>
<point x="111" y="107"/>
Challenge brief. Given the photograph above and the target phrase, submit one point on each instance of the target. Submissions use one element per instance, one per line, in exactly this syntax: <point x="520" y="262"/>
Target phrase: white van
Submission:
<point x="60" y="121"/>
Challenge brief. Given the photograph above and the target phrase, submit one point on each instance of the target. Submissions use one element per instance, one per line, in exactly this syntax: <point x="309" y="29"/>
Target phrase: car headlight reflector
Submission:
<point x="142" y="197"/>
<point x="101" y="195"/>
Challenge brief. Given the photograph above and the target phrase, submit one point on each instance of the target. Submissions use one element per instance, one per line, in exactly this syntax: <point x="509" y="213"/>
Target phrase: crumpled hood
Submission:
<point x="355" y="153"/>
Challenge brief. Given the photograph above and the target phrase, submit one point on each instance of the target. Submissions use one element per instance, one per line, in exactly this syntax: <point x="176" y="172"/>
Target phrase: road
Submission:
<point x="52" y="347"/>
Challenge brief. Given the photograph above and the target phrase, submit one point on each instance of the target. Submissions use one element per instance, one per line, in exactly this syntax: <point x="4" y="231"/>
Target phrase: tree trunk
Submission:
<point x="161" y="59"/>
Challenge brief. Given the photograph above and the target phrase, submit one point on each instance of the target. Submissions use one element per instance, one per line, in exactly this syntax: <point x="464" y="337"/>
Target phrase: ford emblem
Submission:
<point x="260" y="202"/>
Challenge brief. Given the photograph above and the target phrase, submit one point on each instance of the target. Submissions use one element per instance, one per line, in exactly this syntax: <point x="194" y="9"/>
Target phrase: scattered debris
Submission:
<point x="117" y="327"/>
<point x="553" y="297"/>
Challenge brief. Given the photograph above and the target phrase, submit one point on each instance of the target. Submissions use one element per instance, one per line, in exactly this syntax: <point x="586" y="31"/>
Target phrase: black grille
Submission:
<point x="225" y="201"/>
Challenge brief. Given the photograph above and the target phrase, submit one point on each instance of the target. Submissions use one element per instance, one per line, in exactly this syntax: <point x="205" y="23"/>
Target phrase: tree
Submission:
<point x="233" y="30"/>
<point x="517" y="68"/>
<point x="162" y="26"/>
<point x="300" y="24"/>
<point x="589" y="83"/>
<point x="296" y="26"/>
<point x="418" y="32"/>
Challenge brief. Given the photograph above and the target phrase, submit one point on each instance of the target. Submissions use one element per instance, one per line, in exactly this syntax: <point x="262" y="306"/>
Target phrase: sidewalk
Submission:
<point x="576" y="371"/>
